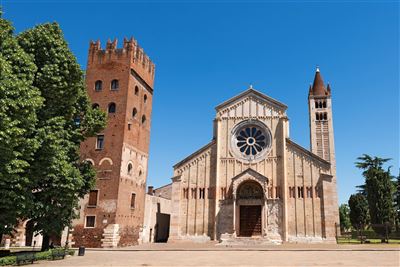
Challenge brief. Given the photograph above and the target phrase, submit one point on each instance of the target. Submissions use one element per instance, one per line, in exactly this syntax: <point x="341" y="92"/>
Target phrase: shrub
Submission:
<point x="45" y="255"/>
<point x="9" y="260"/>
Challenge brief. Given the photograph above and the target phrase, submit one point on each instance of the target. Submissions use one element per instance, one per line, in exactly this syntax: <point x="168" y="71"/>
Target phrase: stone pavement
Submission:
<point x="211" y="255"/>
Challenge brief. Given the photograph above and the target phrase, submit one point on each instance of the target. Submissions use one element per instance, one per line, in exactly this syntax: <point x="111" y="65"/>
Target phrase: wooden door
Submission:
<point x="250" y="220"/>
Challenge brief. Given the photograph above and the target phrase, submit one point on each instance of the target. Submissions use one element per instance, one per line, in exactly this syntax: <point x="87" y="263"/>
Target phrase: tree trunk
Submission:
<point x="45" y="242"/>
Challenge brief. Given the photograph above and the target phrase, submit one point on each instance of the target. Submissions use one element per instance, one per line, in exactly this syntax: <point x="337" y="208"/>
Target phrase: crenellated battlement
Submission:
<point x="130" y="51"/>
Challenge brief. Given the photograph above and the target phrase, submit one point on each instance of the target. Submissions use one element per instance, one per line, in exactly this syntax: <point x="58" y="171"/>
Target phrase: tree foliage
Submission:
<point x="58" y="177"/>
<point x="397" y="202"/>
<point x="379" y="191"/>
<point x="359" y="216"/>
<point x="19" y="102"/>
<point x="344" y="215"/>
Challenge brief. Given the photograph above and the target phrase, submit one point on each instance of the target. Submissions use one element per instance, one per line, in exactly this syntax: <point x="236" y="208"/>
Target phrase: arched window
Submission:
<point x="143" y="119"/>
<point x="130" y="168"/>
<point x="112" y="108"/>
<point x="325" y="116"/>
<point x="134" y="112"/>
<point x="145" y="98"/>
<point x="317" y="116"/>
<point x="140" y="173"/>
<point x="95" y="105"/>
<point x="114" y="85"/>
<point x="98" y="86"/>
<point x="316" y="104"/>
<point x="136" y="90"/>
<point x="324" y="104"/>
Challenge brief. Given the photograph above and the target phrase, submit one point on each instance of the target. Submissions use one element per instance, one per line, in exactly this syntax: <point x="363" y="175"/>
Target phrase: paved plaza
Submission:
<point x="211" y="255"/>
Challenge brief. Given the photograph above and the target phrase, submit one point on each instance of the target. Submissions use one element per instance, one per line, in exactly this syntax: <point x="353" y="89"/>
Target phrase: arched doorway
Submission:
<point x="250" y="199"/>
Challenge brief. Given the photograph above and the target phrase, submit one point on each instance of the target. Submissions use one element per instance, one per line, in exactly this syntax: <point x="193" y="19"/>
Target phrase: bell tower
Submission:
<point x="120" y="82"/>
<point x="321" y="124"/>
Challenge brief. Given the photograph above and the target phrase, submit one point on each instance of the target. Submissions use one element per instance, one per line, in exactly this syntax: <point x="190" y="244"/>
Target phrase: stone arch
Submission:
<point x="250" y="189"/>
<point x="247" y="176"/>
<point x="90" y="160"/>
<point x="106" y="159"/>
<point x="129" y="168"/>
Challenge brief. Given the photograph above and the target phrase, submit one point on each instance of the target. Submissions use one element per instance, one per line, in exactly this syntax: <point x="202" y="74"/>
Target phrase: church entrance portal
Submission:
<point x="250" y="220"/>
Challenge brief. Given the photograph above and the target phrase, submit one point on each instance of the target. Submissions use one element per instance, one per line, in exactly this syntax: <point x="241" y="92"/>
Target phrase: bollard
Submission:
<point x="81" y="251"/>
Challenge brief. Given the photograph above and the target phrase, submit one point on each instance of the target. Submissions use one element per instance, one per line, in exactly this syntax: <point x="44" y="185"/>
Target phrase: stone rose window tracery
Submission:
<point x="251" y="140"/>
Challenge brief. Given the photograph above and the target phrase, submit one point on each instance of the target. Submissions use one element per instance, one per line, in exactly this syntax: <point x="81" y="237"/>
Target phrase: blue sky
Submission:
<point x="208" y="52"/>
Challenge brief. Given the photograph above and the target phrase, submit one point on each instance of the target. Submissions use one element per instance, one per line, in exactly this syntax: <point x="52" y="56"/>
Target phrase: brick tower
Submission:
<point x="120" y="82"/>
<point x="321" y="125"/>
<point x="322" y="144"/>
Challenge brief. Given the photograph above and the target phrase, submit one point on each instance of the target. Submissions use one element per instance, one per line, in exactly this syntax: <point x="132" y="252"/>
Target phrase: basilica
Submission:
<point x="252" y="181"/>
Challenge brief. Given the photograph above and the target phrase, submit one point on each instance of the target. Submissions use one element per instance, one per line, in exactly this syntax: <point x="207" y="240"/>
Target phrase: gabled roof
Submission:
<point x="251" y="172"/>
<point x="194" y="154"/>
<point x="255" y="93"/>
<point x="309" y="153"/>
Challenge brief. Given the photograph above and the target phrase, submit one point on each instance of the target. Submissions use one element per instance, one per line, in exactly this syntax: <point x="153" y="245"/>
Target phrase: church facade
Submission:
<point x="252" y="181"/>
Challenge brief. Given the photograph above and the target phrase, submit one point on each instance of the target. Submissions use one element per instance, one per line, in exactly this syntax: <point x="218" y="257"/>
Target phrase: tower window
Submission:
<point x="133" y="198"/>
<point x="143" y="119"/>
<point x="140" y="173"/>
<point x="100" y="141"/>
<point x="316" y="104"/>
<point x="325" y="116"/>
<point x="134" y="112"/>
<point x="114" y="85"/>
<point x="90" y="221"/>
<point x="93" y="198"/>
<point x="95" y="105"/>
<point x="98" y="86"/>
<point x="130" y="168"/>
<point x="112" y="108"/>
<point x="145" y="98"/>
<point x="317" y="116"/>
<point x="136" y="90"/>
<point x="324" y="104"/>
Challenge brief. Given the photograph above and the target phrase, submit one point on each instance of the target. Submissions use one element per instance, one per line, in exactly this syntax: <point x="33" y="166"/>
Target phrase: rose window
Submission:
<point x="250" y="140"/>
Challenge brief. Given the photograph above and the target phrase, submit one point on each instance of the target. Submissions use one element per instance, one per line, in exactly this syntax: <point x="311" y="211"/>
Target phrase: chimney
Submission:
<point x="150" y="190"/>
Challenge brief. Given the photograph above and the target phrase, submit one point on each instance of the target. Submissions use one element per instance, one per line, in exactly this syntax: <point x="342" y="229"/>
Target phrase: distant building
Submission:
<point x="252" y="180"/>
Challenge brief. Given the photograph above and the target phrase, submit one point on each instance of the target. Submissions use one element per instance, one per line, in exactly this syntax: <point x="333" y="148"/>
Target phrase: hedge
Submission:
<point x="45" y="255"/>
<point x="370" y="234"/>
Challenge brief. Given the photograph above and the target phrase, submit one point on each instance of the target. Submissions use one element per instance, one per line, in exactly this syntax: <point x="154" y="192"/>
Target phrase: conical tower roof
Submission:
<point x="318" y="87"/>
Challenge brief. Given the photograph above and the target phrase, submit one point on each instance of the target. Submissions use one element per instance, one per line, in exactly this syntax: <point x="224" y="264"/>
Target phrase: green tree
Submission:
<point x="19" y="102"/>
<point x="397" y="202"/>
<point x="344" y="215"/>
<point x="358" y="205"/>
<point x="59" y="178"/>
<point x="379" y="190"/>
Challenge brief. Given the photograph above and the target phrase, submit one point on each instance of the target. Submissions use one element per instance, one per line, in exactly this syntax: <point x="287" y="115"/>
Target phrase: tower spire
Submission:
<point x="318" y="87"/>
